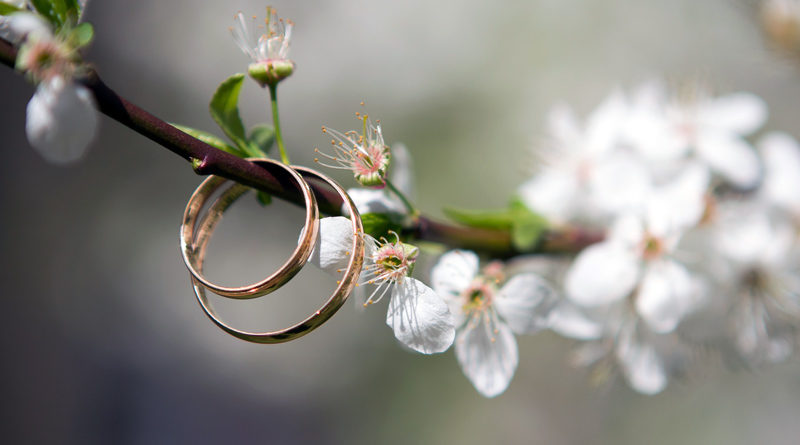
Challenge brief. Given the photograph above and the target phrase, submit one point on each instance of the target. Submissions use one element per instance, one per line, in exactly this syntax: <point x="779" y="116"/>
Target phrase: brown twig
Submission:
<point x="208" y="160"/>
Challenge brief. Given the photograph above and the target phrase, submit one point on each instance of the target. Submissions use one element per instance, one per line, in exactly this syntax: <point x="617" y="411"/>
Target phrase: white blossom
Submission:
<point x="614" y="338"/>
<point x="763" y="290"/>
<point x="707" y="129"/>
<point x="637" y="257"/>
<point x="488" y="315"/>
<point x="61" y="120"/>
<point x="419" y="318"/>
<point x="576" y="172"/>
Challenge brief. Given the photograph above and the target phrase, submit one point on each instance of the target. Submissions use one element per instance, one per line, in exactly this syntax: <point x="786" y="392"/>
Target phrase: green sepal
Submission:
<point x="211" y="140"/>
<point x="6" y="9"/>
<point x="525" y="226"/>
<point x="379" y="224"/>
<point x="262" y="137"/>
<point x="82" y="35"/>
<point x="224" y="109"/>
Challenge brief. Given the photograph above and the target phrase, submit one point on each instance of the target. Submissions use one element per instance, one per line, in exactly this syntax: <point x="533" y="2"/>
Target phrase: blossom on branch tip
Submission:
<point x="488" y="315"/>
<point x="61" y="120"/>
<point x="61" y="116"/>
<point x="365" y="154"/>
<point x="419" y="318"/>
<point x="268" y="52"/>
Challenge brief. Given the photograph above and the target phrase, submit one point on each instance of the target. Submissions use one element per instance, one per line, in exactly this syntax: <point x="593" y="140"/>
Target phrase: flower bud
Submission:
<point x="270" y="72"/>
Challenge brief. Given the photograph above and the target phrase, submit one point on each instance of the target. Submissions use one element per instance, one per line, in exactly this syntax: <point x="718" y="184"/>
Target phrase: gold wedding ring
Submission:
<point x="289" y="269"/>
<point x="197" y="241"/>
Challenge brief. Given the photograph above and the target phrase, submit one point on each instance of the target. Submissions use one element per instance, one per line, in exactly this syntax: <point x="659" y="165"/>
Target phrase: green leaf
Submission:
<point x="526" y="227"/>
<point x="211" y="140"/>
<point x="525" y="233"/>
<point x="55" y="11"/>
<point x="73" y="10"/>
<point x="82" y="35"/>
<point x="6" y="9"/>
<point x="262" y="137"/>
<point x="379" y="224"/>
<point x="487" y="219"/>
<point x="225" y="111"/>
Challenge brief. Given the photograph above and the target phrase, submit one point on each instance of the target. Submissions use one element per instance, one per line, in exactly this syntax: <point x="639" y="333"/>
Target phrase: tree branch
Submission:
<point x="211" y="161"/>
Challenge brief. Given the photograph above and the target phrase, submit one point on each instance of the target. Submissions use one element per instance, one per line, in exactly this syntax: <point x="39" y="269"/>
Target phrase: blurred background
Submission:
<point x="102" y="341"/>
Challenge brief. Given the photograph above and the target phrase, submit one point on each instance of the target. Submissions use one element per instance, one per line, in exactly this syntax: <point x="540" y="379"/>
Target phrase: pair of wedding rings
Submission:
<point x="196" y="232"/>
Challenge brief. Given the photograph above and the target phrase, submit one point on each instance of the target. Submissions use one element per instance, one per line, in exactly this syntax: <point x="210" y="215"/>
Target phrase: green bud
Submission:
<point x="270" y="73"/>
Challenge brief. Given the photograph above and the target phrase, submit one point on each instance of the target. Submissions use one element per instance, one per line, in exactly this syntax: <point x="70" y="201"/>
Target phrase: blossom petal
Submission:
<point x="781" y="155"/>
<point x="454" y="272"/>
<point x="487" y="356"/>
<point x="601" y="274"/>
<point x="737" y="113"/>
<point x="402" y="170"/>
<point x="373" y="201"/>
<point x="641" y="365"/>
<point x="731" y="157"/>
<point x="552" y="193"/>
<point x="22" y="24"/>
<point x="420" y="318"/>
<point x="334" y="244"/>
<point x="605" y="124"/>
<point x="61" y="120"/>
<point x="666" y="295"/>
<point x="680" y="204"/>
<point x="525" y="302"/>
<point x="568" y="320"/>
<point x="619" y="183"/>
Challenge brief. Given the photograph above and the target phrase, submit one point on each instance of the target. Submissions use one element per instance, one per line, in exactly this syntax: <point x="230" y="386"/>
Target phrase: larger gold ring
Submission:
<point x="345" y="285"/>
<point x="289" y="269"/>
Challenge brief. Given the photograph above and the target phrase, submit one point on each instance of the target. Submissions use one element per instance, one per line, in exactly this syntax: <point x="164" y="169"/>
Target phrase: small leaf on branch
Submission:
<point x="264" y="198"/>
<point x="379" y="224"/>
<point x="82" y="35"/>
<point x="6" y="9"/>
<point x="525" y="226"/>
<point x="58" y="12"/>
<point x="263" y="137"/>
<point x="224" y="109"/>
<point x="485" y="219"/>
<point x="211" y="140"/>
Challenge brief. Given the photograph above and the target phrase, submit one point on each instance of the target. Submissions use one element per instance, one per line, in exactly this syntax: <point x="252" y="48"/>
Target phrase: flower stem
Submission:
<point x="276" y="121"/>
<point x="406" y="202"/>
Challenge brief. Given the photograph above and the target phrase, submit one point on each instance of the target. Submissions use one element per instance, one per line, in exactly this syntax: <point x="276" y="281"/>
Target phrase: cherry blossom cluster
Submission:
<point x="701" y="229"/>
<point x="61" y="118"/>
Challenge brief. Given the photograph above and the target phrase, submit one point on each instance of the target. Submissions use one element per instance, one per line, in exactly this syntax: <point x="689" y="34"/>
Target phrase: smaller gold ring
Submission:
<point x="346" y="283"/>
<point x="289" y="269"/>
